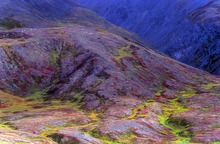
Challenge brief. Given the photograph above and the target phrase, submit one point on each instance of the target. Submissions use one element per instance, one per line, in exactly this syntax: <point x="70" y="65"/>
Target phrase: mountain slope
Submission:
<point x="53" y="13"/>
<point x="86" y="84"/>
<point x="185" y="30"/>
<point x="122" y="83"/>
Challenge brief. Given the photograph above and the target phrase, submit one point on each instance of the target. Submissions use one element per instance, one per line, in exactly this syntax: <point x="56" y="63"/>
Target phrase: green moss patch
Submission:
<point x="177" y="126"/>
<point x="123" y="52"/>
<point x="54" y="57"/>
<point x="210" y="86"/>
<point x="9" y="23"/>
<point x="37" y="96"/>
<point x="6" y="126"/>
<point x="216" y="142"/>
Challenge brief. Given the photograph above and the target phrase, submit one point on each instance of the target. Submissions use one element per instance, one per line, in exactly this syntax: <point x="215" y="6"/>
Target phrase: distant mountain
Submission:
<point x="185" y="30"/>
<point x="53" y="13"/>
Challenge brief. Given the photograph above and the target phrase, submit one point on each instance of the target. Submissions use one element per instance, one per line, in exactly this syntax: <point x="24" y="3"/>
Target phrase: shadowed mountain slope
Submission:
<point x="185" y="30"/>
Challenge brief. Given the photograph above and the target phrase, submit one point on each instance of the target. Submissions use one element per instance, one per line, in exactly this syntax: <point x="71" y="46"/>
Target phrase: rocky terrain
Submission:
<point x="187" y="31"/>
<point x="83" y="83"/>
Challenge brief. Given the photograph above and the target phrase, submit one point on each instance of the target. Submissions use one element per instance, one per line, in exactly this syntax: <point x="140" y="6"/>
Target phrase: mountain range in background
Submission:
<point x="69" y="76"/>
<point x="187" y="31"/>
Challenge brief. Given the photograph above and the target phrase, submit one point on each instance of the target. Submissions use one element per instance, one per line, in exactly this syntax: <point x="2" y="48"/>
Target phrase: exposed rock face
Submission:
<point x="71" y="135"/>
<point x="13" y="136"/>
<point x="185" y="30"/>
